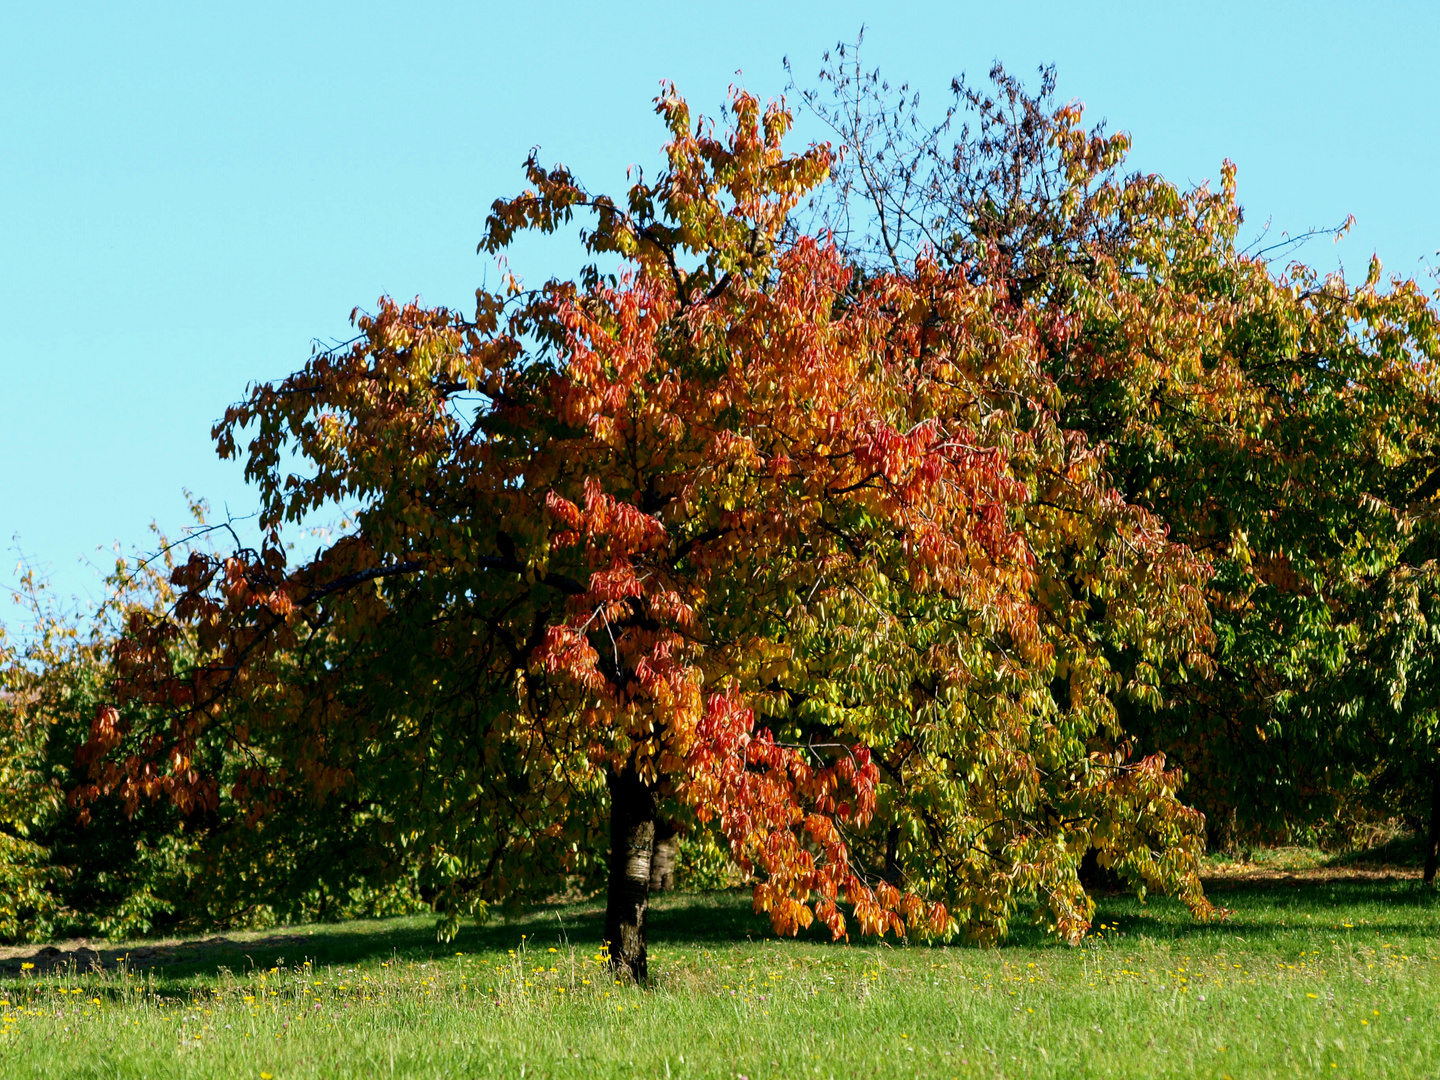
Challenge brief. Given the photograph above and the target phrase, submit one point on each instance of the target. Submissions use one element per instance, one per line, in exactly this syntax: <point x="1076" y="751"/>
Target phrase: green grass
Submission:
<point x="1326" y="978"/>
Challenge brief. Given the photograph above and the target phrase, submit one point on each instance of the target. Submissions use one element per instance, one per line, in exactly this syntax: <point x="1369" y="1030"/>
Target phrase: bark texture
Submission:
<point x="662" y="863"/>
<point x="632" y="847"/>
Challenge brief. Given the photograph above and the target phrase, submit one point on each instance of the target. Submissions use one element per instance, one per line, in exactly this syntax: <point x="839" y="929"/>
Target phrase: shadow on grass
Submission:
<point x="719" y="918"/>
<point x="1269" y="909"/>
<point x="1276" y="910"/>
<point x="1400" y="851"/>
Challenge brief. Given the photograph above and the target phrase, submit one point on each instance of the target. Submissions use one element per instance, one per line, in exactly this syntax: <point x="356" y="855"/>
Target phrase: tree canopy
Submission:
<point x="916" y="566"/>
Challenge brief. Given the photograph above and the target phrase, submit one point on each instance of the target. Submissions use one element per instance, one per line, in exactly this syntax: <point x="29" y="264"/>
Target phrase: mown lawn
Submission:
<point x="1317" y="977"/>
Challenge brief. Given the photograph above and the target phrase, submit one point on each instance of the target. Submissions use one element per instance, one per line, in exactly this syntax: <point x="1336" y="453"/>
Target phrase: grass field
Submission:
<point x="1314" y="975"/>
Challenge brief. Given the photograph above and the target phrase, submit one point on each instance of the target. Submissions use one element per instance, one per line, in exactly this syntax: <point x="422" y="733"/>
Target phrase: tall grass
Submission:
<point x="1327" y="979"/>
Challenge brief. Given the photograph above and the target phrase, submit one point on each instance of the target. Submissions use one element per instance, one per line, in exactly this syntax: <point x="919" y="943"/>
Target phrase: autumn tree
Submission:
<point x="26" y="800"/>
<point x="1280" y="423"/>
<point x="156" y="869"/>
<point x="126" y="874"/>
<point x="730" y="533"/>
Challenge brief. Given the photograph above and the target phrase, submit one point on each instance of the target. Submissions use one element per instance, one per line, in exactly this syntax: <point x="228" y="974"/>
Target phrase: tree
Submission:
<point x="121" y="877"/>
<point x="731" y="535"/>
<point x="1280" y="425"/>
<point x="156" y="869"/>
<point x="26" y="800"/>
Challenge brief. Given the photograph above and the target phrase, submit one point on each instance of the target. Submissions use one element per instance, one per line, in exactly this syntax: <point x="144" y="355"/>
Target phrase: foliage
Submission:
<point x="807" y="554"/>
<point x="25" y="900"/>
<point x="111" y="874"/>
<point x="905" y="556"/>
<point x="1279" y="424"/>
<point x="124" y="875"/>
<point x="703" y="863"/>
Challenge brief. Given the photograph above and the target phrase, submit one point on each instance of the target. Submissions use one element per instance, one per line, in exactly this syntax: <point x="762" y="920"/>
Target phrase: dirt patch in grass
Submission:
<point x="1398" y="860"/>
<point x="1233" y="875"/>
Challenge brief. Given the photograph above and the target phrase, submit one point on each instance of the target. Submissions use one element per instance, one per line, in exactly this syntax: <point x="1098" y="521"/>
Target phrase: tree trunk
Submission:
<point x="1222" y="828"/>
<point x="1432" y="841"/>
<point x="892" y="855"/>
<point x="632" y="845"/>
<point x="662" y="863"/>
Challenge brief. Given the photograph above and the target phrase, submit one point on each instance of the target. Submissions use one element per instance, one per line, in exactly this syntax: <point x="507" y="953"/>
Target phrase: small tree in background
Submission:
<point x="125" y="875"/>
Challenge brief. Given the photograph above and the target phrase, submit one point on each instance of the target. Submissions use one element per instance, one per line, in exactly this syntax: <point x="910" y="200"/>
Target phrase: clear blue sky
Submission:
<point x="190" y="193"/>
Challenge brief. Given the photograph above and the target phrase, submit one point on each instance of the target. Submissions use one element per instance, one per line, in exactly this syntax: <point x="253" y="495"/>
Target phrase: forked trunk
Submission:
<point x="632" y="846"/>
<point x="1432" y="838"/>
